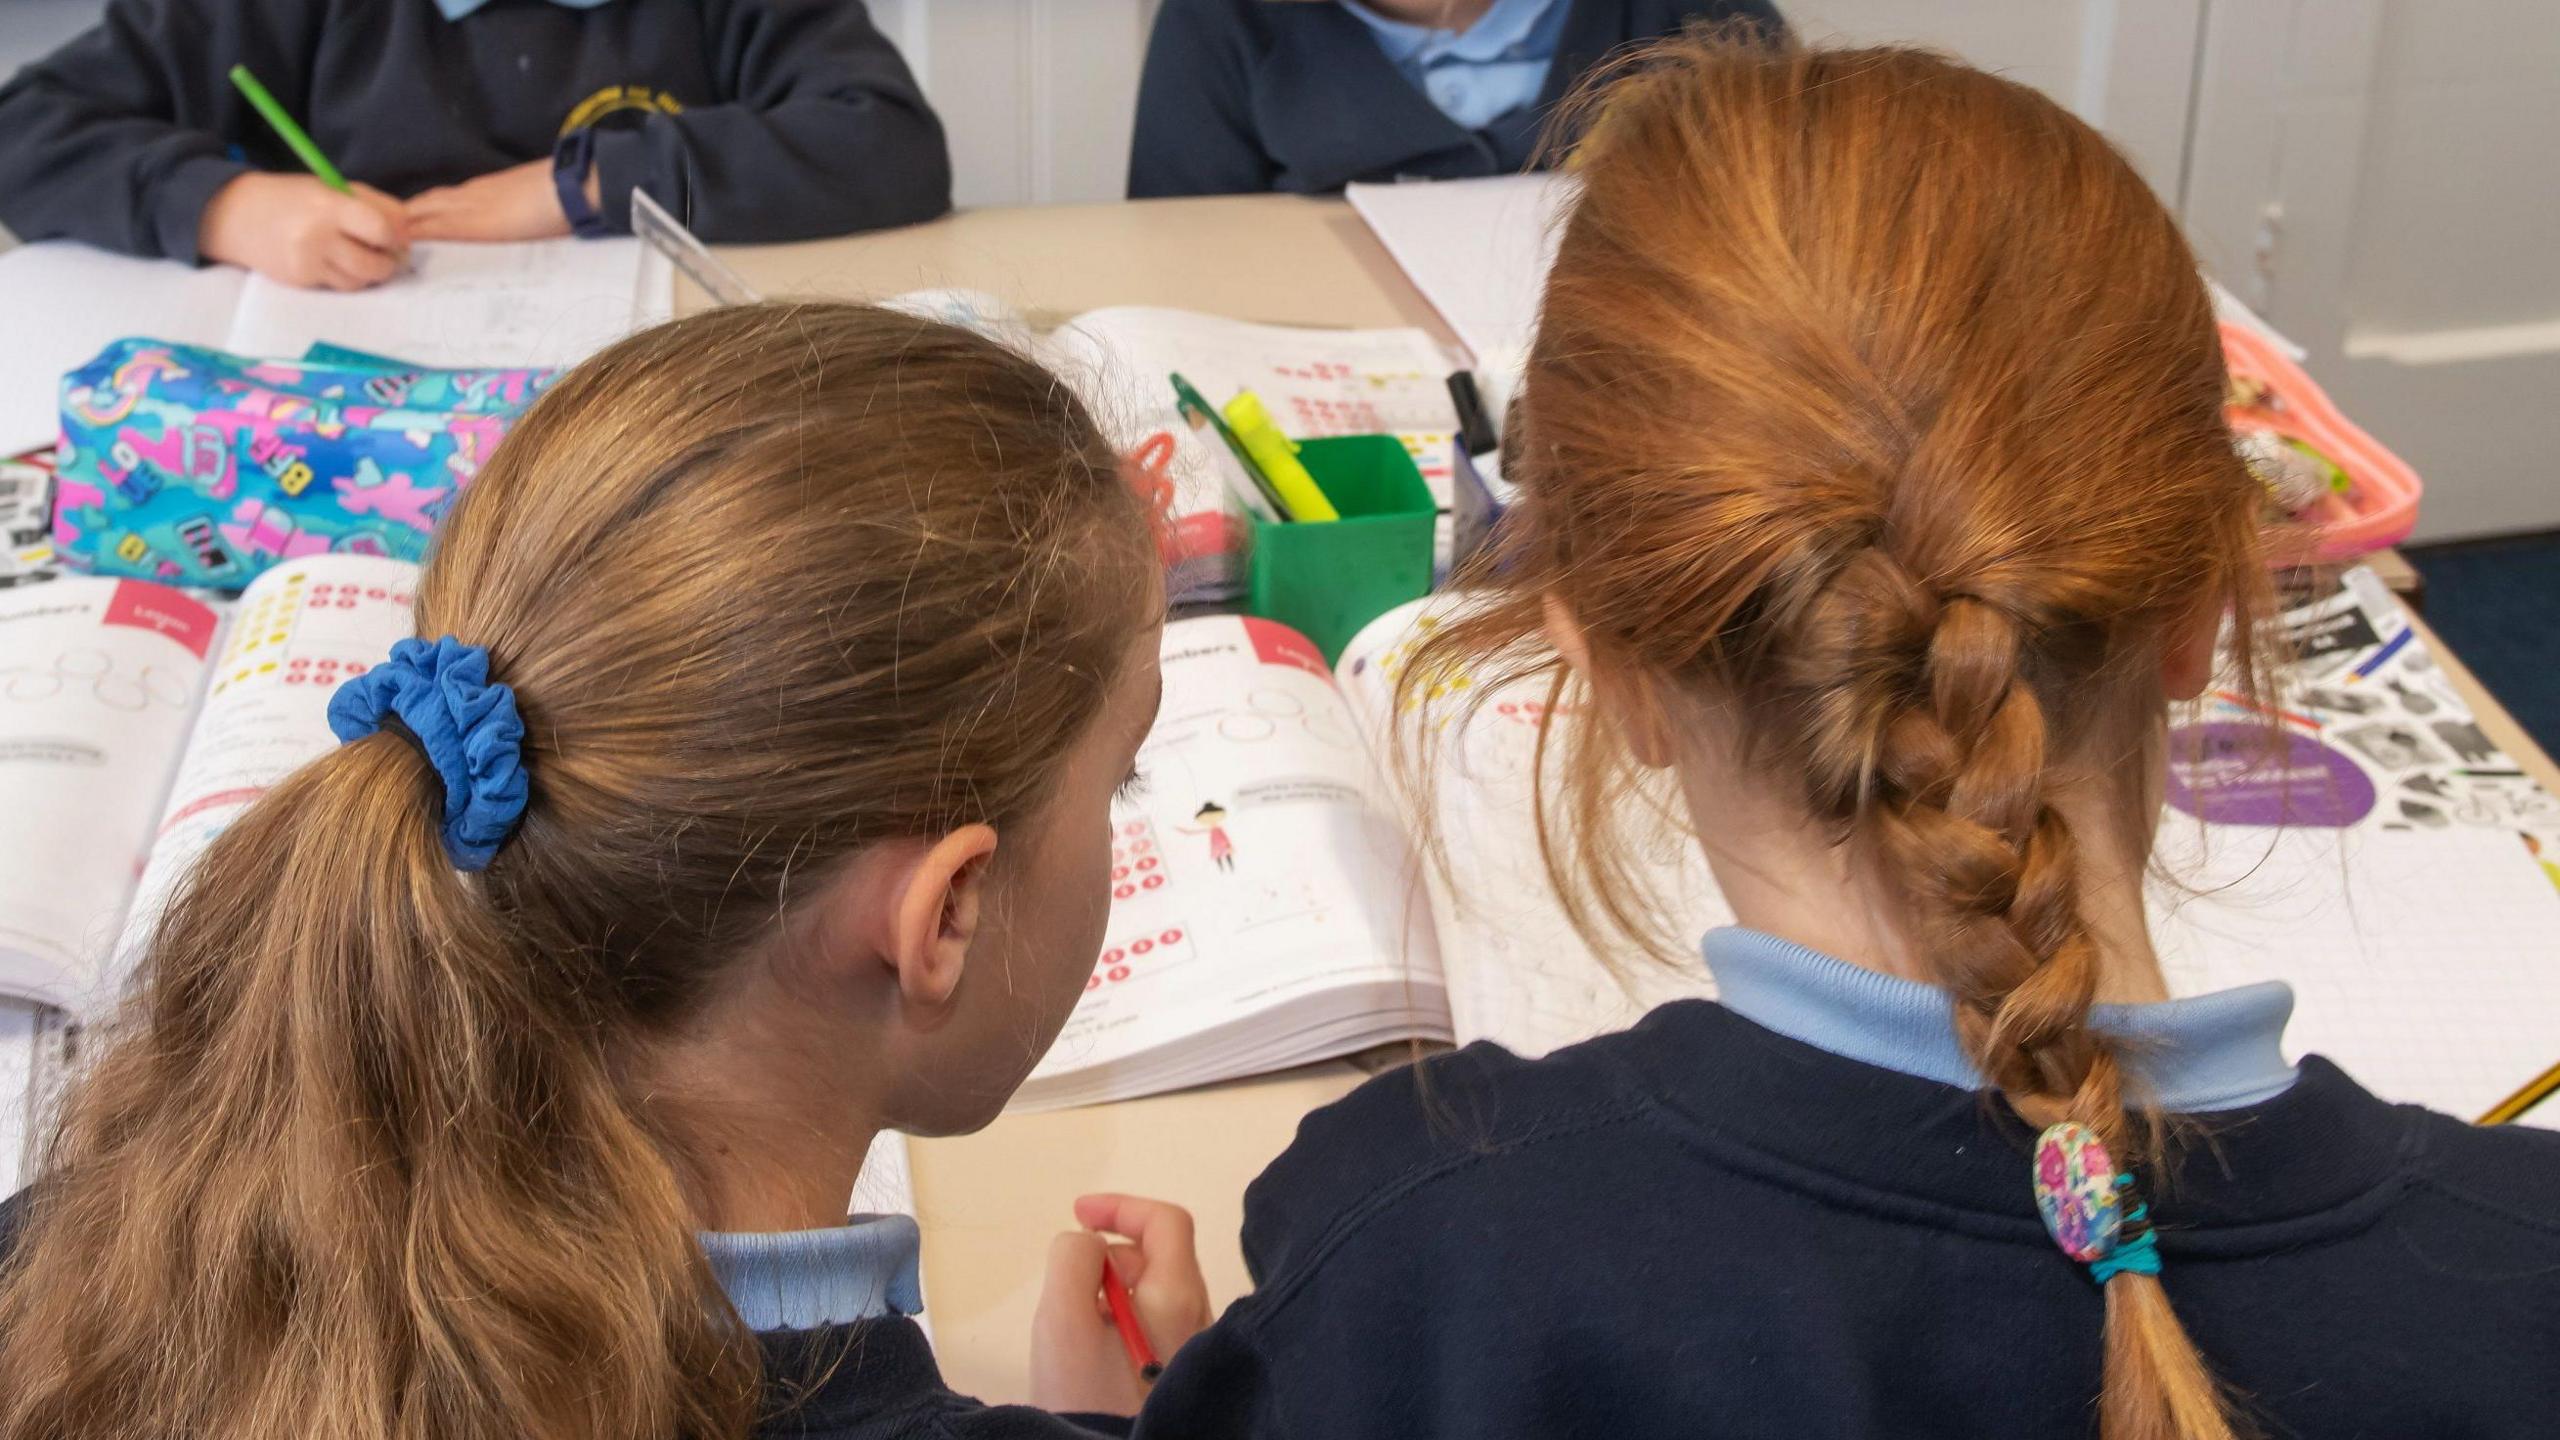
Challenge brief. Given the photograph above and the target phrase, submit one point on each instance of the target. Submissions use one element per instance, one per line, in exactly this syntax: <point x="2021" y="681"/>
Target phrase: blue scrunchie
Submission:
<point x="468" y="728"/>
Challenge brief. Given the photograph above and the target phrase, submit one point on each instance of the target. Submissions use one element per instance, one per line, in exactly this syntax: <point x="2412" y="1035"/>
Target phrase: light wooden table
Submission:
<point x="989" y="1202"/>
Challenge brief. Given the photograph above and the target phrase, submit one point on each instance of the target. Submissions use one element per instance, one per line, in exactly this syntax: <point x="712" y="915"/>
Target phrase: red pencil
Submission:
<point x="1125" y="1315"/>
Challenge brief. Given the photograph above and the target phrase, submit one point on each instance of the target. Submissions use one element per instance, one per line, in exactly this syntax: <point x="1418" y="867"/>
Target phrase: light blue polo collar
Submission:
<point x="456" y="9"/>
<point x="1502" y="32"/>
<point x="811" y="1279"/>
<point x="2208" y="1052"/>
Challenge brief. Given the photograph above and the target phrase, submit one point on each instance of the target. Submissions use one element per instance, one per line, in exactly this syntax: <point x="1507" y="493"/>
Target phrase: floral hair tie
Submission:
<point x="2089" y="1207"/>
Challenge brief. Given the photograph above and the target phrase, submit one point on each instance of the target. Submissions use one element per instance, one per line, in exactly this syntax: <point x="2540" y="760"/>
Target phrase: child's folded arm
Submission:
<point x="113" y="138"/>
<point x="828" y="133"/>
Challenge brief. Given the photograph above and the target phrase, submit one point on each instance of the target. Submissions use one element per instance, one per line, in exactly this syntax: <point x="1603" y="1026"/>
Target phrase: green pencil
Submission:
<point x="291" y="133"/>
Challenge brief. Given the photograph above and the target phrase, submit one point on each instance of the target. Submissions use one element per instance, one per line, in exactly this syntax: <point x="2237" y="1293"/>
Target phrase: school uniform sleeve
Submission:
<point x="1387" y="1246"/>
<point x="823" y="131"/>
<point x="1195" y="133"/>
<point x="116" y="138"/>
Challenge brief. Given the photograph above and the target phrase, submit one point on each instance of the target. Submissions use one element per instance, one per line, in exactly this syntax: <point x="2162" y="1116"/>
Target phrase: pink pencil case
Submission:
<point x="2376" y="502"/>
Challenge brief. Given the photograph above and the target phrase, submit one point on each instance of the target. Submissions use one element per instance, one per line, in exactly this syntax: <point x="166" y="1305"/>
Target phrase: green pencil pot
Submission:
<point x="1328" y="578"/>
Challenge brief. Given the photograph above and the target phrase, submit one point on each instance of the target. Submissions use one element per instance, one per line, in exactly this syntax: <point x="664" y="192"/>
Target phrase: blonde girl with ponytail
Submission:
<point x="504" y="1074"/>
<point x="1879" y="507"/>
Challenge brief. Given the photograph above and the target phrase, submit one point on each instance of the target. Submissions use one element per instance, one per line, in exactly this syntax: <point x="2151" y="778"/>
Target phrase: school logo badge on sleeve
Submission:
<point x="619" y="99"/>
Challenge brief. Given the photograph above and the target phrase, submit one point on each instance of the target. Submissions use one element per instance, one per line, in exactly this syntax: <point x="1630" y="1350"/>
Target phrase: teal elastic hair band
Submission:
<point x="2139" y="1255"/>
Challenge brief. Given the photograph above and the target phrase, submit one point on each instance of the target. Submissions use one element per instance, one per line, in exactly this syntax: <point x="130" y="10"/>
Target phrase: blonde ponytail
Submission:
<point x="364" y="1159"/>
<point x="364" y="1168"/>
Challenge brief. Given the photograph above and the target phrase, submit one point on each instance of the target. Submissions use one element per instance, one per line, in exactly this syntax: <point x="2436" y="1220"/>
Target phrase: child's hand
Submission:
<point x="1077" y="1360"/>
<point x="296" y="230"/>
<point x="520" y="202"/>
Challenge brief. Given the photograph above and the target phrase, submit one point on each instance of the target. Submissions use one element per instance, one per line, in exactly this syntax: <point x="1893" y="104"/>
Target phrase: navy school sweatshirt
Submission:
<point x="751" y="120"/>
<point x="1249" y="95"/>
<point x="1700" y="1228"/>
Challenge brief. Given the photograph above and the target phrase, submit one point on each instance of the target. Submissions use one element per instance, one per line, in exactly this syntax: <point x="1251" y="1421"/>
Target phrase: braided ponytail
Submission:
<point x="1877" y="406"/>
<point x="1957" y="802"/>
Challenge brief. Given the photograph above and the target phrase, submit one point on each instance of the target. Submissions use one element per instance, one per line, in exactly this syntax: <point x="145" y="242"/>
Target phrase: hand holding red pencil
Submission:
<point x="1110" y="1309"/>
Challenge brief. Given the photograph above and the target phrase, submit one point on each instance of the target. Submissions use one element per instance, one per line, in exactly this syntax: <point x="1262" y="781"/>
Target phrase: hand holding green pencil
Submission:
<point x="316" y="230"/>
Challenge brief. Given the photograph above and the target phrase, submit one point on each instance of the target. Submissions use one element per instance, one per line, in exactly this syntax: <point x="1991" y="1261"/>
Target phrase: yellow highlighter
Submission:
<point x="1276" y="456"/>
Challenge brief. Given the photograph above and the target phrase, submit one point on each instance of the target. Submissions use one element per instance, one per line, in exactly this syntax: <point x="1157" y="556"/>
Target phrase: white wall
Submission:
<point x="2382" y="179"/>
<point x="2125" y="66"/>
<point x="1038" y="95"/>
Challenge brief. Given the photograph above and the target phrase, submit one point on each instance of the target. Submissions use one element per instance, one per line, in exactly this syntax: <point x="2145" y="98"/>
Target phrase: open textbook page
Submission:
<point x="1263" y="913"/>
<point x="2387" y="860"/>
<point x="98" y="685"/>
<point x="136" y="721"/>
<point x="1517" y="974"/>
<point x="296" y="632"/>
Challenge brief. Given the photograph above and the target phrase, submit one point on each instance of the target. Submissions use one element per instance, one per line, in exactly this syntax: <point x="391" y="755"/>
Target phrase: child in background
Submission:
<point x="1879" y="499"/>
<point x="504" y="1074"/>
<point x="1310" y="95"/>
<point x="751" y="120"/>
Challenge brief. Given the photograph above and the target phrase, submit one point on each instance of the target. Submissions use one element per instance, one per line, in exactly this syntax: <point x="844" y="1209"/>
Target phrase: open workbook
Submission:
<point x="136" y="721"/>
<point x="1316" y="383"/>
<point x="1270" y="908"/>
<point x="536" y="303"/>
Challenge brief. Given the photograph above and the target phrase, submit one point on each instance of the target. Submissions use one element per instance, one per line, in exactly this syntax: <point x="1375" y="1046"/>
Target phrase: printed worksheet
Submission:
<point x="298" y="631"/>
<point x="98" y="683"/>
<point x="1265" y="909"/>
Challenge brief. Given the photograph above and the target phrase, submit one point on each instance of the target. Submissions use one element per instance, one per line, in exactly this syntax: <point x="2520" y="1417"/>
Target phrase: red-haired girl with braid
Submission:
<point x="1881" y="506"/>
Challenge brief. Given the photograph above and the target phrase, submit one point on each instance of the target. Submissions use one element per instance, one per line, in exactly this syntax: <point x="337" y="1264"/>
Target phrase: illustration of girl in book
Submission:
<point x="1213" y="822"/>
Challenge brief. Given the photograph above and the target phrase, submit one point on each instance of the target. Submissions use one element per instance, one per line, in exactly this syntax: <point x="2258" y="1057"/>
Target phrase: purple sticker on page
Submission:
<point x="2239" y="774"/>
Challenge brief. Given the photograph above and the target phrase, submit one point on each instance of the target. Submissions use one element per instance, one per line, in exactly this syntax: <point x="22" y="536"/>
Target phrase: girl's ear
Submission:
<point x="1565" y="633"/>
<point x="2186" y="662"/>
<point x="933" y="915"/>
<point x="1628" y="701"/>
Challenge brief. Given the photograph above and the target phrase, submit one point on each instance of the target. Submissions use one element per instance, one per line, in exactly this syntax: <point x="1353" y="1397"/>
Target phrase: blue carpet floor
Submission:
<point x="2497" y="605"/>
